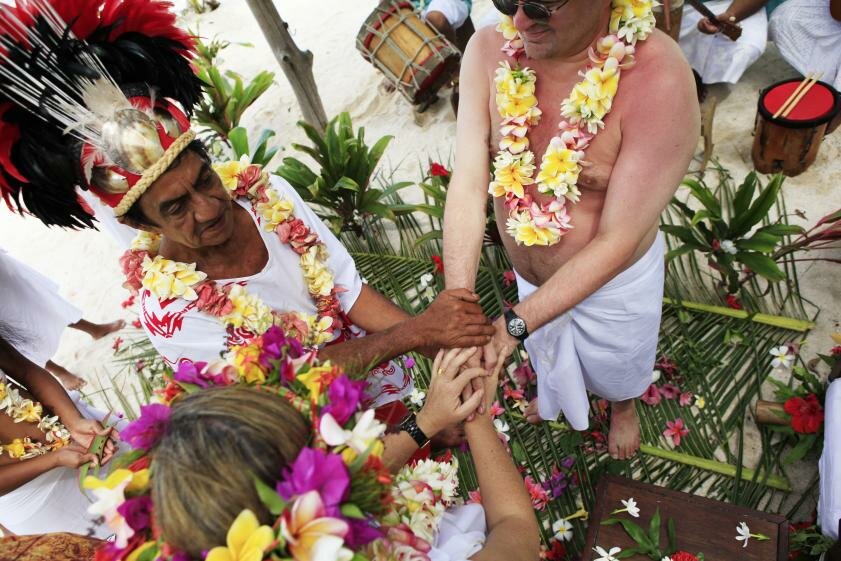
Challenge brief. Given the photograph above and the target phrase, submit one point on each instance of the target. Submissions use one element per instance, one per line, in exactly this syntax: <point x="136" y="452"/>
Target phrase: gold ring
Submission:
<point x="440" y="371"/>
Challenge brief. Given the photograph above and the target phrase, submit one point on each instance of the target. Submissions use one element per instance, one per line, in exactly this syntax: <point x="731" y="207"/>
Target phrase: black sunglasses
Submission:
<point x="533" y="10"/>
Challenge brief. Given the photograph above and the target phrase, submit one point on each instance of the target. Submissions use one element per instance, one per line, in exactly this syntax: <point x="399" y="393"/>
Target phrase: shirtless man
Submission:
<point x="592" y="324"/>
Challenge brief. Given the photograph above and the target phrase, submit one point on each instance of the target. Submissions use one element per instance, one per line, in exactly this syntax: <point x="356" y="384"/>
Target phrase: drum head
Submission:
<point x="820" y="104"/>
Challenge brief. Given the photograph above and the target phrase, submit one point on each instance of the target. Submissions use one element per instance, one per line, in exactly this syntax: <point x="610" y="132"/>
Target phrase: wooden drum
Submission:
<point x="669" y="15"/>
<point x="791" y="144"/>
<point x="409" y="51"/>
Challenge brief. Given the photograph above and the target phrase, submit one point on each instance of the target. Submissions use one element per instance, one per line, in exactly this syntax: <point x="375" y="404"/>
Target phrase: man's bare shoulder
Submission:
<point x="484" y="46"/>
<point x="660" y="55"/>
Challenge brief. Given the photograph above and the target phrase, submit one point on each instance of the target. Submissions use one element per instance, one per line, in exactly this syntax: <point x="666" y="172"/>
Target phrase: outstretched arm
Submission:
<point x="464" y="212"/>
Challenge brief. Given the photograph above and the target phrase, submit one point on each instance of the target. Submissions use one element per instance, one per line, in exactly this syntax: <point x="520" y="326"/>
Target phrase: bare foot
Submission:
<point x="99" y="330"/>
<point x="69" y="380"/>
<point x="623" y="440"/>
<point x="532" y="414"/>
<point x="450" y="437"/>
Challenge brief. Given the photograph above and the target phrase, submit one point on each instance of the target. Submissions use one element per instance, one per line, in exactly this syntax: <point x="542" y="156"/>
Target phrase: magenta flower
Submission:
<point x="276" y="345"/>
<point x="361" y="533"/>
<point x="137" y="512"/>
<point x="409" y="362"/>
<point x="675" y="430"/>
<point x="669" y="391"/>
<point x="317" y="470"/>
<point x="146" y="431"/>
<point x="344" y="395"/>
<point x="651" y="396"/>
<point x="685" y="399"/>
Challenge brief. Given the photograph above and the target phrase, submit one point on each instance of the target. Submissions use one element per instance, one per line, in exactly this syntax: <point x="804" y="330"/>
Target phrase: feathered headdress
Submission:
<point x="89" y="96"/>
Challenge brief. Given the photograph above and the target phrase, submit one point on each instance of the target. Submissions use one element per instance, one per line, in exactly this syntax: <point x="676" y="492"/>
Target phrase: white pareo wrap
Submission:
<point x="461" y="533"/>
<point x="809" y="38"/>
<point x="829" y="503"/>
<point x="606" y="344"/>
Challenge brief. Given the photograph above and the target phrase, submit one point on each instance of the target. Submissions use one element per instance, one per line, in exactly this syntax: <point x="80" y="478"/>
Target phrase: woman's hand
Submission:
<point x="73" y="456"/>
<point x="444" y="406"/>
<point x="84" y="431"/>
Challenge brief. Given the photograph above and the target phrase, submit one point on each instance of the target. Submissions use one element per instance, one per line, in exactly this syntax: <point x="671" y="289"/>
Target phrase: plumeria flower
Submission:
<point x="562" y="530"/>
<point x="744" y="534"/>
<point x="630" y="507"/>
<point x="675" y="430"/>
<point x="728" y="246"/>
<point x="607" y="555"/>
<point x="502" y="428"/>
<point x="666" y="558"/>
<point x="417" y="397"/>
<point x="655" y="375"/>
<point x="783" y="359"/>
<point x="366" y="431"/>
<point x="110" y="494"/>
<point x="700" y="402"/>
<point x="247" y="540"/>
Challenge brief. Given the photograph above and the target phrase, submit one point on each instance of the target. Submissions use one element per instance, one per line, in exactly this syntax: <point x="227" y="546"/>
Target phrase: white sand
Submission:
<point x="85" y="263"/>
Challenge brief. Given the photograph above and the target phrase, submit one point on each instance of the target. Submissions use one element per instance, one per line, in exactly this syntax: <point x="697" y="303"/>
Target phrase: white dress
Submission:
<point x="605" y="345"/>
<point x="31" y="307"/>
<point x="461" y="533"/>
<point x="829" y="502"/>
<point x="180" y="332"/>
<point x="715" y="57"/>
<point x="809" y="38"/>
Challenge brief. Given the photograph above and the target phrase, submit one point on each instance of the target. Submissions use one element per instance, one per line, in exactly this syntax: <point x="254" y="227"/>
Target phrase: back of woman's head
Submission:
<point x="218" y="441"/>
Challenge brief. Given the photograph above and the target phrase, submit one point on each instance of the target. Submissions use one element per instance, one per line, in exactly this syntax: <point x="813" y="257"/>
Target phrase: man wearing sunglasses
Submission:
<point x="589" y="307"/>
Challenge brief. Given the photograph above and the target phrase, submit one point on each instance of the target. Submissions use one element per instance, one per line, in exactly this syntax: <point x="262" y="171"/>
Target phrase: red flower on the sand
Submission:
<point x="806" y="413"/>
<point x="716" y="245"/>
<point x="685" y="399"/>
<point x="496" y="410"/>
<point x="508" y="278"/>
<point x="669" y="391"/>
<point x="136" y="324"/>
<point x="652" y="395"/>
<point x="118" y="342"/>
<point x="439" y="264"/>
<point x="675" y="430"/>
<point x="733" y="301"/>
<point x="667" y="366"/>
<point x="682" y="556"/>
<point x="835" y="351"/>
<point x="558" y="552"/>
<point x="128" y="302"/>
<point x="539" y="496"/>
<point x="437" y="170"/>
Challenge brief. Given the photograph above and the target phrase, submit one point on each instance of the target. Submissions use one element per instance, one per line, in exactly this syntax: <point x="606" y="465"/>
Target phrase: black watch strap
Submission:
<point x="410" y="425"/>
<point x="515" y="325"/>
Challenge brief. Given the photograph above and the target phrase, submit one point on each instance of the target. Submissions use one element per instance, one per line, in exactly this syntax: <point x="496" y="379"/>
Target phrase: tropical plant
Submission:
<point x="226" y="95"/>
<point x="203" y="6"/>
<point x="342" y="189"/>
<point x="261" y="153"/>
<point x="806" y="542"/>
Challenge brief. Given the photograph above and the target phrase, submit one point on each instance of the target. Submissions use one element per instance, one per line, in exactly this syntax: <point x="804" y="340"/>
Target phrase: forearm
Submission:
<point x="373" y="312"/>
<point x="15" y="474"/>
<point x="39" y="382"/>
<point x="742" y="9"/>
<point x="587" y="271"/>
<point x="358" y="356"/>
<point x="399" y="448"/>
<point x="464" y="230"/>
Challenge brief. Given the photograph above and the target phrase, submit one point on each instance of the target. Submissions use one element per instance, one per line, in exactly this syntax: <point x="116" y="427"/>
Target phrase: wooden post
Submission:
<point x="768" y="413"/>
<point x="295" y="63"/>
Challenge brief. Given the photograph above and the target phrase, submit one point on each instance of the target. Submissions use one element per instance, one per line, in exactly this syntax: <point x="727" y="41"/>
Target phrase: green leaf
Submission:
<point x="744" y="195"/>
<point x="682" y="250"/>
<point x="761" y="265"/>
<point x="654" y="528"/>
<point x="672" y="535"/>
<point x="760" y="241"/>
<point x="238" y="137"/>
<point x="269" y="497"/>
<point x="637" y="534"/>
<point x="743" y="223"/>
<point x="352" y="511"/>
<point x="680" y="232"/>
<point x="782" y="229"/>
<point x="704" y="196"/>
<point x="801" y="449"/>
<point x="630" y="552"/>
<point x="348" y="184"/>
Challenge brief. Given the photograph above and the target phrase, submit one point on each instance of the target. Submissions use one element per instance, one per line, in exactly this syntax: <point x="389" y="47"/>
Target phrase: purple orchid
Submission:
<point x="147" y="430"/>
<point x="137" y="512"/>
<point x="315" y="469"/>
<point x="344" y="395"/>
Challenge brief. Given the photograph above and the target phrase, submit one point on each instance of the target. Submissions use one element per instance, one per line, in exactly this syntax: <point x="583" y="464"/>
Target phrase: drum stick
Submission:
<point x="793" y="94"/>
<point x="802" y="95"/>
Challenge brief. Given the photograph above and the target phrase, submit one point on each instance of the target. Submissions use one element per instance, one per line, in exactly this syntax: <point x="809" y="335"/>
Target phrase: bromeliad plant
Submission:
<point x="341" y="189"/>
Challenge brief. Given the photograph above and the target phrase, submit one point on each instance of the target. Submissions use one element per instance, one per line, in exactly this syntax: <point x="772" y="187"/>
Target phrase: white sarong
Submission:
<point x="715" y="57"/>
<point x="606" y="344"/>
<point x="829" y="501"/>
<point x="53" y="502"/>
<point x="461" y="533"/>
<point x="809" y="38"/>
<point x="31" y="306"/>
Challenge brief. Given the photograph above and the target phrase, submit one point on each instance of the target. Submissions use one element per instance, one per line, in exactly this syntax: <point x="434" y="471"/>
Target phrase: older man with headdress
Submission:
<point x="225" y="251"/>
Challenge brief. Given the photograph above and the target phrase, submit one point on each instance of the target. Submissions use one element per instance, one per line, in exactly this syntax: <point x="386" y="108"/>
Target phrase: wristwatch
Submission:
<point x="516" y="325"/>
<point x="410" y="425"/>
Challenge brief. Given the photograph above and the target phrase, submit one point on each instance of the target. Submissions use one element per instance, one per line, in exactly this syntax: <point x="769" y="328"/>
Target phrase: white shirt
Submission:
<point x="179" y="332"/>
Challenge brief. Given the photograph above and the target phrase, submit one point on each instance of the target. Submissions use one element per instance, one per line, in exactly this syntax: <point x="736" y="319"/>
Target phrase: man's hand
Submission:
<point x="73" y="456"/>
<point x="444" y="407"/>
<point x="497" y="351"/>
<point x="453" y="320"/>
<point x="84" y="431"/>
<point x="713" y="27"/>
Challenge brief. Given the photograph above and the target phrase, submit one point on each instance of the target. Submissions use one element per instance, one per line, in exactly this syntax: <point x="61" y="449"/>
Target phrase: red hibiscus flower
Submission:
<point x="806" y="413"/>
<point x="652" y="395"/>
<point x="669" y="391"/>
<point x="675" y="430"/>
<point x="295" y="233"/>
<point x="437" y="170"/>
<point x="439" y="264"/>
<point x="733" y="301"/>
<point x="118" y="342"/>
<point x="683" y="556"/>
<point x="508" y="278"/>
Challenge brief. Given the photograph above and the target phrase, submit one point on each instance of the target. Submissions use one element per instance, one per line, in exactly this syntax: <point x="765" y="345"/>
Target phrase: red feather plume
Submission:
<point x="149" y="17"/>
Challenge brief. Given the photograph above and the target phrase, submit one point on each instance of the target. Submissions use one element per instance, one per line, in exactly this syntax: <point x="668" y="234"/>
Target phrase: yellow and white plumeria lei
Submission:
<point x="23" y="410"/>
<point x="165" y="278"/>
<point x="582" y="117"/>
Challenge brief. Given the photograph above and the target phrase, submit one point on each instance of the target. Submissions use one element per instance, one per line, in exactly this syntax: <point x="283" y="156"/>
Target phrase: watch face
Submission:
<point x="516" y="327"/>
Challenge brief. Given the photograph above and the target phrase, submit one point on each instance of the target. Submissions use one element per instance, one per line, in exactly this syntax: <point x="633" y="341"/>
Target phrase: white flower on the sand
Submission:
<point x="783" y="359"/>
<point x="607" y="555"/>
<point x="727" y="246"/>
<point x="744" y="533"/>
<point x="631" y="507"/>
<point x="562" y="530"/>
<point x="417" y="397"/>
<point x="700" y="402"/>
<point x="366" y="431"/>
<point x="655" y="376"/>
<point x="502" y="428"/>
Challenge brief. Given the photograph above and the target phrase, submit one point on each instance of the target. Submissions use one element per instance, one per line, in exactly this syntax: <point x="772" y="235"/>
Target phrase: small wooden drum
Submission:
<point x="409" y="51"/>
<point x="790" y="145"/>
<point x="669" y="15"/>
